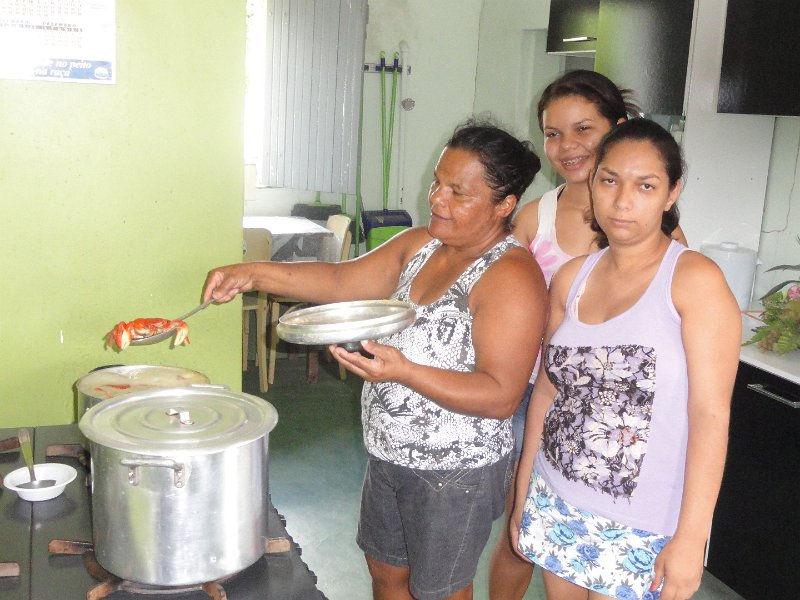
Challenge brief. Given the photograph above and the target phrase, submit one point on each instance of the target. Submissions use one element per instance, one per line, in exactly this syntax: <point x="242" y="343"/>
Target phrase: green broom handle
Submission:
<point x="385" y="191"/>
<point x="390" y="132"/>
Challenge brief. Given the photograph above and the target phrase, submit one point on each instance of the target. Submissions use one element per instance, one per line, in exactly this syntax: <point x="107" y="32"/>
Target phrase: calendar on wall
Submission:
<point x="58" y="40"/>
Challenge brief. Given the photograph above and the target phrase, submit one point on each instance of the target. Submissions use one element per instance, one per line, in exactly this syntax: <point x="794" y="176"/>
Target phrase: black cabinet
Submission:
<point x="572" y="26"/>
<point x="644" y="45"/>
<point x="761" y="58"/>
<point x="755" y="535"/>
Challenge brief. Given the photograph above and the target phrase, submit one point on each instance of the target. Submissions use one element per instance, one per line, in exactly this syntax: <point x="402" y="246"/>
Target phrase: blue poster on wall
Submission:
<point x="68" y="40"/>
<point x="64" y="68"/>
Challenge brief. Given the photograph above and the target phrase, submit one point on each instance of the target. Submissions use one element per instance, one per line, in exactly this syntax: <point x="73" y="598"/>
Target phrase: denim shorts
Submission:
<point x="518" y="423"/>
<point x="435" y="522"/>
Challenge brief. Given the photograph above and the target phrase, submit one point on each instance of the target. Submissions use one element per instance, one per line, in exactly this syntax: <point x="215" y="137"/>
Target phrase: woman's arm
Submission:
<point x="542" y="397"/>
<point x="711" y="329"/>
<point x="371" y="276"/>
<point x="508" y="306"/>
<point x="526" y="222"/>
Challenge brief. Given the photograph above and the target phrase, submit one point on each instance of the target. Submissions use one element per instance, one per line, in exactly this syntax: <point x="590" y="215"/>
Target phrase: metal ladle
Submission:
<point x="27" y="454"/>
<point x="160" y="337"/>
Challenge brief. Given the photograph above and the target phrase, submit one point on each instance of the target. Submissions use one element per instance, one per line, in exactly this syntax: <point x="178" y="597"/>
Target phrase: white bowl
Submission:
<point x="62" y="474"/>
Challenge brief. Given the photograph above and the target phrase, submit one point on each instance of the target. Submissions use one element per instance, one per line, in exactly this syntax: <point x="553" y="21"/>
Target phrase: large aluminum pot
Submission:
<point x="110" y="381"/>
<point x="179" y="483"/>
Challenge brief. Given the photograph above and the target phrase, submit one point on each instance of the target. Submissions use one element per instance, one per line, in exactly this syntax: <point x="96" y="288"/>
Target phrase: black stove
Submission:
<point x="49" y="543"/>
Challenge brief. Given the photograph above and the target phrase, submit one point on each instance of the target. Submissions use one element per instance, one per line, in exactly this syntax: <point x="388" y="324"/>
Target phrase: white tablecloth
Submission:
<point x="297" y="238"/>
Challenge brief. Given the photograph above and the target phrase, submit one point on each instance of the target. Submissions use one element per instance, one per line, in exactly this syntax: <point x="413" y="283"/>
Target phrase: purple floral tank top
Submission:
<point x="614" y="440"/>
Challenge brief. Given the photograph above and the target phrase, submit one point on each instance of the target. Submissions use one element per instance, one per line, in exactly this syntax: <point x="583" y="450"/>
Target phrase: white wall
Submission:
<point x="781" y="224"/>
<point x="727" y="155"/>
<point x="442" y="41"/>
<point x="513" y="69"/>
<point x="471" y="56"/>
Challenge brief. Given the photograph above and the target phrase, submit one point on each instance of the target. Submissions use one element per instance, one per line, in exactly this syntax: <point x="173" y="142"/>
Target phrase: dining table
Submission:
<point x="296" y="238"/>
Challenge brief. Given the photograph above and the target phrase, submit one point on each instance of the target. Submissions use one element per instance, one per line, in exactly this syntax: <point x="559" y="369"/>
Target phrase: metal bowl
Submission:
<point x="345" y="322"/>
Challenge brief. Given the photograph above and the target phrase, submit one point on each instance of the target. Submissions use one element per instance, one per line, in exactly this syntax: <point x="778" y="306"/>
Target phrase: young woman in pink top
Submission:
<point x="575" y="111"/>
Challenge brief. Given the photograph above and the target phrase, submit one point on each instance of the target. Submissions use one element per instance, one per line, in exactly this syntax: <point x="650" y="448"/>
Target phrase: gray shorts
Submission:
<point x="434" y="522"/>
<point x="518" y="422"/>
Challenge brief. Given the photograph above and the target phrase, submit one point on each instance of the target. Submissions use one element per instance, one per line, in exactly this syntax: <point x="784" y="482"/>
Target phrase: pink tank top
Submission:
<point x="544" y="246"/>
<point x="614" y="440"/>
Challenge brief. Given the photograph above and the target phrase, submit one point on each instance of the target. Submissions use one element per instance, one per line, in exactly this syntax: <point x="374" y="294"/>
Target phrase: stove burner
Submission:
<point x="8" y="569"/>
<point x="7" y="444"/>
<point x="68" y="451"/>
<point x="109" y="583"/>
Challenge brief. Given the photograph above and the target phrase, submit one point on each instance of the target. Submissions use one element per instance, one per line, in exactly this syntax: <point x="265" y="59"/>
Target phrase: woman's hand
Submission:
<point x="513" y="531"/>
<point x="223" y="283"/>
<point x="679" y="566"/>
<point x="387" y="364"/>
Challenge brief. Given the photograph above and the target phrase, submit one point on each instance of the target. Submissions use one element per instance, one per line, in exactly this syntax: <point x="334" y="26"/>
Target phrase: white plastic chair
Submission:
<point x="340" y="225"/>
<point x="257" y="247"/>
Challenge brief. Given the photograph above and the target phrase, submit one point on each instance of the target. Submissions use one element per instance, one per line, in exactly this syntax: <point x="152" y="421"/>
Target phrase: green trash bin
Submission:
<point x="379" y="235"/>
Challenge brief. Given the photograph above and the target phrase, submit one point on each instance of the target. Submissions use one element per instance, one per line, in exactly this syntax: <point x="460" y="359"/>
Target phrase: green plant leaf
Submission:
<point x="758" y="334"/>
<point x="787" y="342"/>
<point x="784" y="268"/>
<point x="793" y="310"/>
<point x="778" y="287"/>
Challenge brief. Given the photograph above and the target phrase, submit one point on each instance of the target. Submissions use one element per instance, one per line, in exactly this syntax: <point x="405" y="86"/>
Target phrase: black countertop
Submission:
<point x="26" y="529"/>
<point x="15" y="526"/>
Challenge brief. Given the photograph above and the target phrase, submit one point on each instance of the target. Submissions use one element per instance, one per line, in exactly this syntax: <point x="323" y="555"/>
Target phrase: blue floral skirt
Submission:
<point x="590" y="551"/>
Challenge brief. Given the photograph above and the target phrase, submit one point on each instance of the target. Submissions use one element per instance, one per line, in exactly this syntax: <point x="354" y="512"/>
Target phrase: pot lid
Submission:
<point x="198" y="419"/>
<point x="114" y="380"/>
<point x="343" y="322"/>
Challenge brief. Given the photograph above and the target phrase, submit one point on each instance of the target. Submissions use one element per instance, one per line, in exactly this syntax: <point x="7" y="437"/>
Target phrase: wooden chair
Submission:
<point x="257" y="247"/>
<point x="340" y="225"/>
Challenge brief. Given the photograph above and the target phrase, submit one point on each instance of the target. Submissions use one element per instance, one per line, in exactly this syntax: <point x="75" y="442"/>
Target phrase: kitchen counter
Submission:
<point x="28" y="527"/>
<point x="786" y="366"/>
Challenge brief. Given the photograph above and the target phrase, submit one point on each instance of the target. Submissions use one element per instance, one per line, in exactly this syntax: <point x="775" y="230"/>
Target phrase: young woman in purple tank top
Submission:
<point x="626" y="435"/>
<point x="575" y="112"/>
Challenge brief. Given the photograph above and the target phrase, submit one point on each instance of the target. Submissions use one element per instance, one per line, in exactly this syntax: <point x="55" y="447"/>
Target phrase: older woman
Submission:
<point x="437" y="405"/>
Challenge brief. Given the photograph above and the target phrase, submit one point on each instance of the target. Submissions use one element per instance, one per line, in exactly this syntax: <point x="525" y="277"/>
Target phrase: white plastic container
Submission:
<point x="738" y="264"/>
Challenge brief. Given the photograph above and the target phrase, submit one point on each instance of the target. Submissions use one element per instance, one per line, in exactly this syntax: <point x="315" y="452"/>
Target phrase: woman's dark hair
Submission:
<point x="611" y="102"/>
<point x="508" y="163"/>
<point x="644" y="130"/>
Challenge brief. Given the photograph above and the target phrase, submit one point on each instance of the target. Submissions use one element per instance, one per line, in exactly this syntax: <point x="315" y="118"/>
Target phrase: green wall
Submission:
<point x="116" y="200"/>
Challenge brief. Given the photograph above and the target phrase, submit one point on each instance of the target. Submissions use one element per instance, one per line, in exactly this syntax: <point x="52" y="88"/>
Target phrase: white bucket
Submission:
<point x="738" y="264"/>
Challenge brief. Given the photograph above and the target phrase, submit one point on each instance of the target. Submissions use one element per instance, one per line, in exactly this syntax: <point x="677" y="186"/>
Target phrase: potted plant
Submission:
<point x="780" y="332"/>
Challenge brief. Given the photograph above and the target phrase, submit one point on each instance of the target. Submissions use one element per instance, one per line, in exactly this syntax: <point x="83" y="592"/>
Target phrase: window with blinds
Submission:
<point x="304" y="71"/>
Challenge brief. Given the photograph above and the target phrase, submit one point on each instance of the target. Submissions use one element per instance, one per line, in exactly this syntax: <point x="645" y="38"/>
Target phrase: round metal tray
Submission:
<point x="345" y="322"/>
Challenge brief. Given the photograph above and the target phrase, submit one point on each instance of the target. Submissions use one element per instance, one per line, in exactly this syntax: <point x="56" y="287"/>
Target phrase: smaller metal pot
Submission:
<point x="110" y="381"/>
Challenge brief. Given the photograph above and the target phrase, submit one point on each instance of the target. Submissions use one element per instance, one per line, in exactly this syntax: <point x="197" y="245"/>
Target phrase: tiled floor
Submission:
<point x="316" y="467"/>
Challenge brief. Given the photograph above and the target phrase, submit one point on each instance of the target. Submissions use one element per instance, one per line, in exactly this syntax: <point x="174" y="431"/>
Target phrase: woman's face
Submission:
<point x="573" y="127"/>
<point x="462" y="209"/>
<point x="631" y="191"/>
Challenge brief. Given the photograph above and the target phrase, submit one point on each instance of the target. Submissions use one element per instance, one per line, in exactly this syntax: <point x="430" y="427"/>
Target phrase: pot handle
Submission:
<point x="133" y="465"/>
